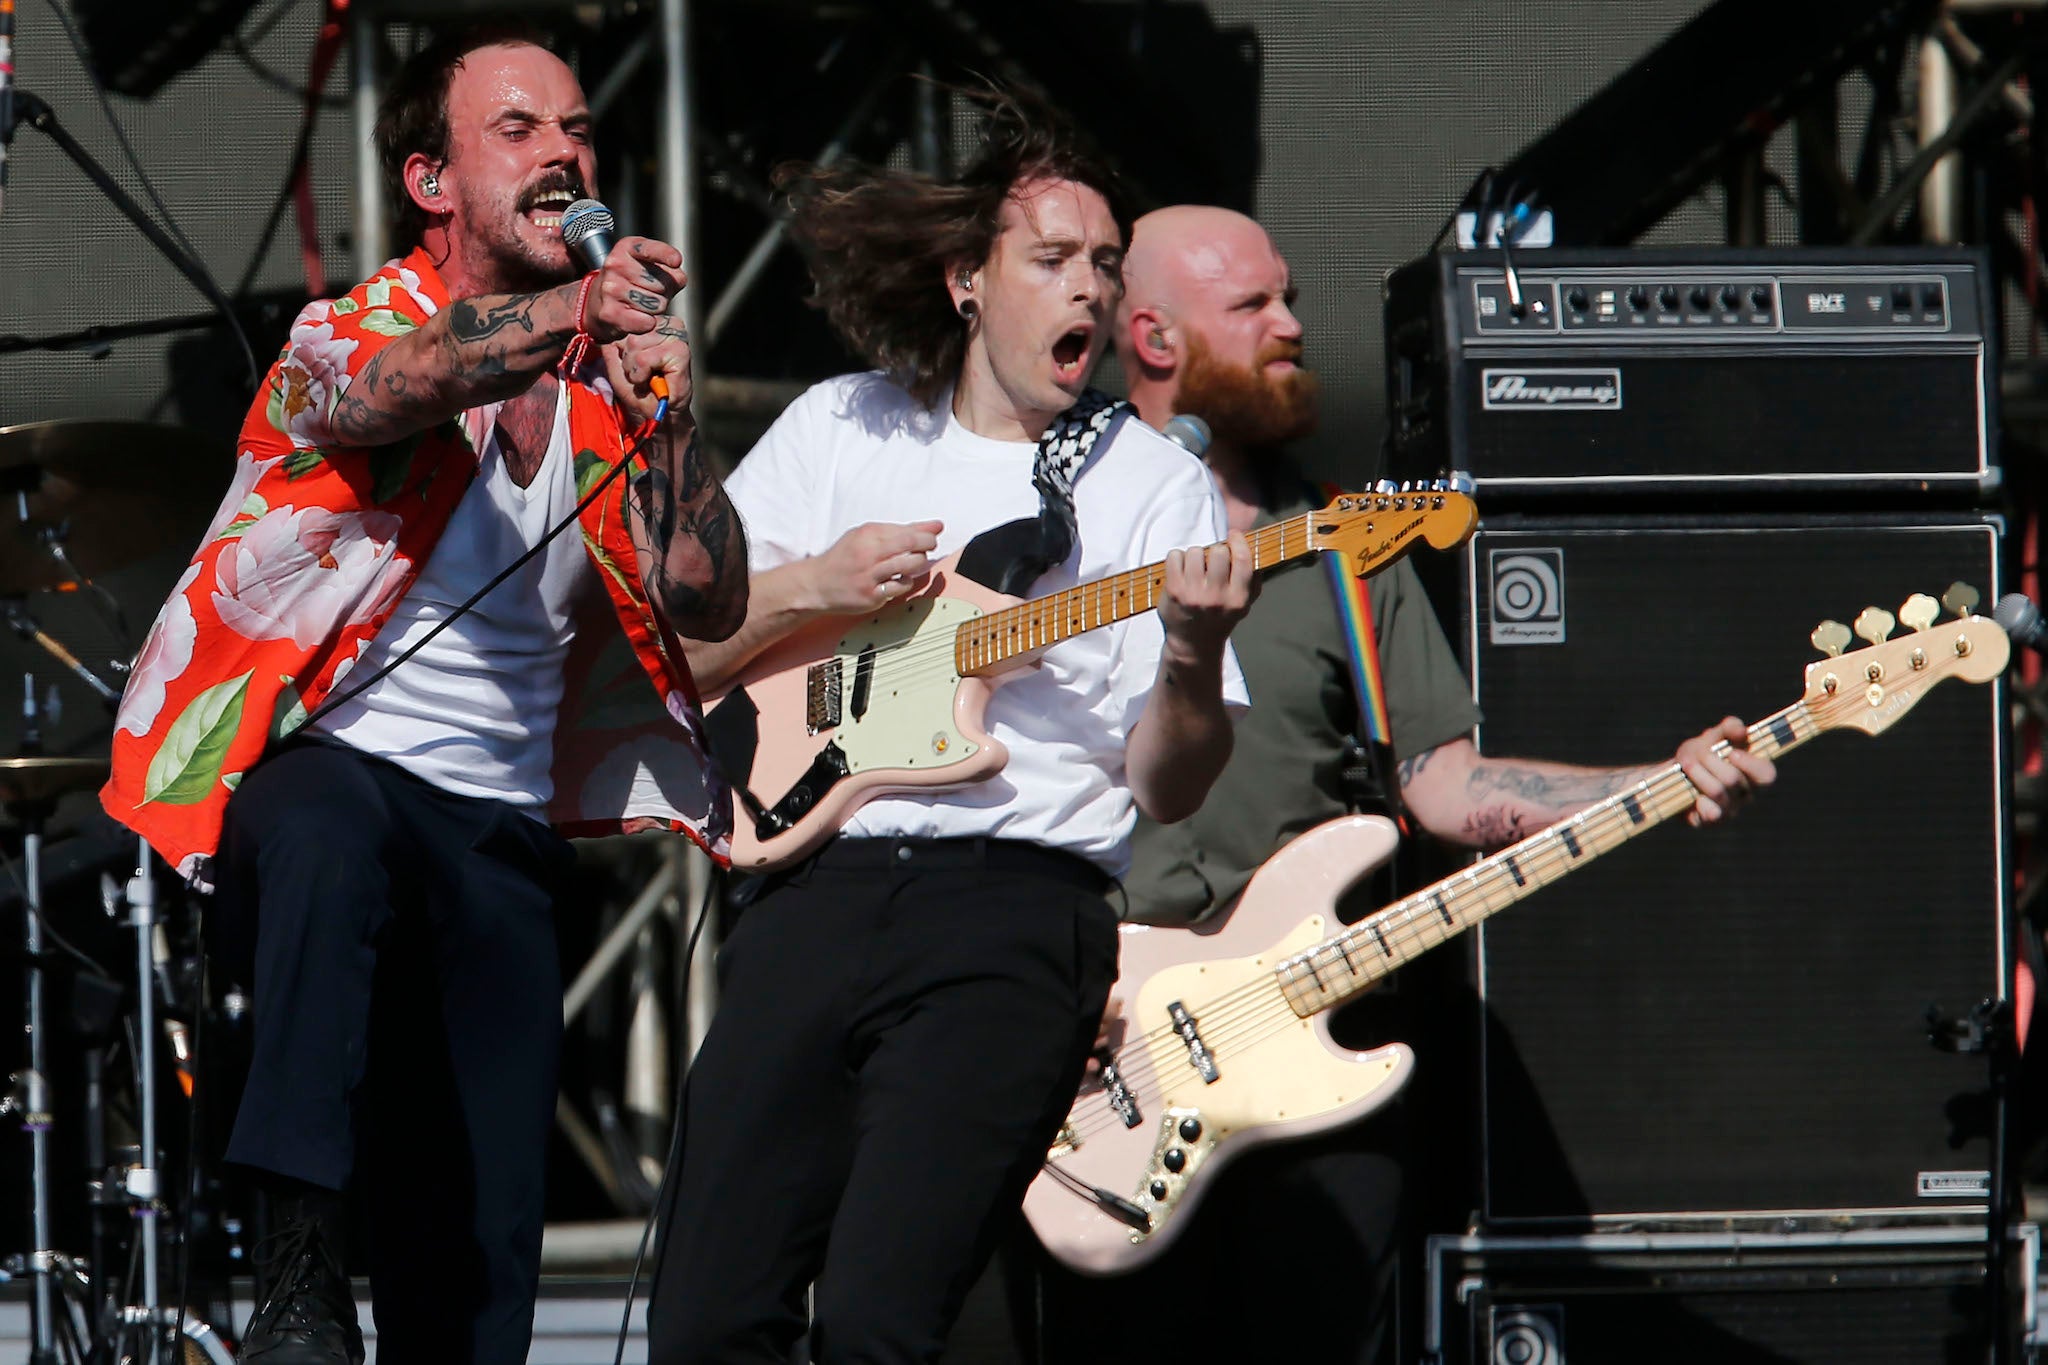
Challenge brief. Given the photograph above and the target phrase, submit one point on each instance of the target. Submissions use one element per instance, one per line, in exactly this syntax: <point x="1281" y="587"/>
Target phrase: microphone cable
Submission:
<point x="639" y="441"/>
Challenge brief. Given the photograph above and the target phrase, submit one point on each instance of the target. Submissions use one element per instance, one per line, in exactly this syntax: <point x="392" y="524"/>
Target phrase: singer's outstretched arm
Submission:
<point x="492" y="347"/>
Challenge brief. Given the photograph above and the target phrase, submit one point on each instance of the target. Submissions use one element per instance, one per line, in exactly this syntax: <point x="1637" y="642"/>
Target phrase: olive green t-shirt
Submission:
<point x="1285" y="773"/>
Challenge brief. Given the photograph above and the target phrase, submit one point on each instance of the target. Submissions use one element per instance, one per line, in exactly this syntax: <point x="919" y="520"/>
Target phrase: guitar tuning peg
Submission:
<point x="1459" y="481"/>
<point x="1875" y="624"/>
<point x="1830" y="638"/>
<point x="1385" y="487"/>
<point x="1961" y="598"/>
<point x="1919" y="611"/>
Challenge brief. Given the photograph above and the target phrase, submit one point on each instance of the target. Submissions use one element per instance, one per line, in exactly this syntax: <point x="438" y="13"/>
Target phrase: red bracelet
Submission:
<point x="579" y="345"/>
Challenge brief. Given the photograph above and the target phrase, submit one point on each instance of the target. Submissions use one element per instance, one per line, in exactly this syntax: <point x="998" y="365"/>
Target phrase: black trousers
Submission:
<point x="901" y="1030"/>
<point x="400" y="944"/>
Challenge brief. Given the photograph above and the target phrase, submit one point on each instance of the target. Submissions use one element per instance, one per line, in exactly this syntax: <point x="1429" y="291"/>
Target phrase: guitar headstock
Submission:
<point x="1372" y="530"/>
<point x="1869" y="688"/>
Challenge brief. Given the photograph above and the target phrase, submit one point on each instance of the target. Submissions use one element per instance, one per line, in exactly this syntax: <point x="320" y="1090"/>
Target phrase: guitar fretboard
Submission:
<point x="1338" y="968"/>
<point x="987" y="643"/>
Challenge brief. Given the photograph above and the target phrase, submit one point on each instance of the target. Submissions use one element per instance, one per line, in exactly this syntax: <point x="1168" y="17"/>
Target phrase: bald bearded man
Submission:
<point x="1207" y="326"/>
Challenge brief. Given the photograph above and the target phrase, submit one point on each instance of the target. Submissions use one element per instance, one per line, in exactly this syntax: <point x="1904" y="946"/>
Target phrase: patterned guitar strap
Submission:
<point x="1009" y="558"/>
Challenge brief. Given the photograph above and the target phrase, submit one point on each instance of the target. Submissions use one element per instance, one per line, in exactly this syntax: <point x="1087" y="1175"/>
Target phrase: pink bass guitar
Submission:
<point x="1224" y="1040"/>
<point x="838" y="714"/>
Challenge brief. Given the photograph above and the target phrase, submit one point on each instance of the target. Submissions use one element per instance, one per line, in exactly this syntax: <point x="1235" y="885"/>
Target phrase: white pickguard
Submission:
<point x="908" y="720"/>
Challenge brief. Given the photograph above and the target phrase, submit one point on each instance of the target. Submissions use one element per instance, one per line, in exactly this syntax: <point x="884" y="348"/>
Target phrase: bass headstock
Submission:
<point x="1869" y="688"/>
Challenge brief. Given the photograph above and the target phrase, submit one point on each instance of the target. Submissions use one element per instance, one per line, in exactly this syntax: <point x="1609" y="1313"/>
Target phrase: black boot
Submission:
<point x="305" y="1314"/>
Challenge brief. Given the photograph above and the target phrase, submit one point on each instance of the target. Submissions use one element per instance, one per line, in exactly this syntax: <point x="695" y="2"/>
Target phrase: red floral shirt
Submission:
<point x="316" y="543"/>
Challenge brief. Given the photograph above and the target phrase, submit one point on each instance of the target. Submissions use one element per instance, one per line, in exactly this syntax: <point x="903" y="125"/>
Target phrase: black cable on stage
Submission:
<point x="675" y="1138"/>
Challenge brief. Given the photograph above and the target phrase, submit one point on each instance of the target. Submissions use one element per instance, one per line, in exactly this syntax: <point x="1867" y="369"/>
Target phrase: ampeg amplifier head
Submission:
<point x="1646" y="374"/>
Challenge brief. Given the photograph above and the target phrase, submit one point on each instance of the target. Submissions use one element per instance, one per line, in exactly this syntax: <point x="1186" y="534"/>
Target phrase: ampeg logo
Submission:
<point x="1528" y="596"/>
<point x="1528" y="1334"/>
<point x="1551" y="390"/>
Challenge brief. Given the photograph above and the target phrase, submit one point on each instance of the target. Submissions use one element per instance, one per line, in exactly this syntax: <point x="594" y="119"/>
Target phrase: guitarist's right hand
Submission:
<point x="871" y="566"/>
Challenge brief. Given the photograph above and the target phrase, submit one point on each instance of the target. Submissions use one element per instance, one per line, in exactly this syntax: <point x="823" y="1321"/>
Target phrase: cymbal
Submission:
<point x="44" y="777"/>
<point x="120" y="490"/>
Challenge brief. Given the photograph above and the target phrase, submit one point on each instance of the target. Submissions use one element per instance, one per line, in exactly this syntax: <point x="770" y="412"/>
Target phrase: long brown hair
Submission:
<point x="878" y="241"/>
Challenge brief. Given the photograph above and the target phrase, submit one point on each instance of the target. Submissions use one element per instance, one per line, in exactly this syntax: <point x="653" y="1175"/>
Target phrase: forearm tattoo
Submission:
<point x="498" y="336"/>
<point x="1534" y="798"/>
<point x="1409" y="768"/>
<point x="492" y="349"/>
<point x="697" y="569"/>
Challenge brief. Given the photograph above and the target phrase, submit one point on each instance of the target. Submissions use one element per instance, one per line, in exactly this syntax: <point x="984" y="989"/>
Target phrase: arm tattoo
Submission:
<point x="1495" y="826"/>
<point x="470" y="323"/>
<point x="696" y="566"/>
<point x="1409" y="768"/>
<point x="492" y="348"/>
<point x="1553" y="790"/>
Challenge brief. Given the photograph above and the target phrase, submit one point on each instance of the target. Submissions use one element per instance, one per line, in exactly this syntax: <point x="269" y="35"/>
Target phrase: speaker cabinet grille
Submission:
<point x="1731" y="1020"/>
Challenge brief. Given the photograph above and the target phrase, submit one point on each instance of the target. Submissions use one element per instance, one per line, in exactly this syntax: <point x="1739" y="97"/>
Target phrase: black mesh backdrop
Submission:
<point x="216" y="141"/>
<point x="1376" y="118"/>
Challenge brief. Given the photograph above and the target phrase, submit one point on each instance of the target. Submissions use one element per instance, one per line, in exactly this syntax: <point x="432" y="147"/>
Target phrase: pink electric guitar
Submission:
<point x="843" y="712"/>
<point x="1225" y="1042"/>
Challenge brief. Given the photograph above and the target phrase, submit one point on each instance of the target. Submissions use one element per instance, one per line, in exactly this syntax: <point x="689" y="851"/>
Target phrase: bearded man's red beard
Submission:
<point x="1245" y="405"/>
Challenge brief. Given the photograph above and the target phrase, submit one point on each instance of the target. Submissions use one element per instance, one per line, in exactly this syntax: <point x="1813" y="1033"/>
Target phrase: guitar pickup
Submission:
<point x="824" y="684"/>
<point x="1199" y="1056"/>
<point x="1119" y="1095"/>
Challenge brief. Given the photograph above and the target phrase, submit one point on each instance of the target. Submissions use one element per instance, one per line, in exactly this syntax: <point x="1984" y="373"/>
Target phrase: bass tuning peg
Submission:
<point x="1830" y="638"/>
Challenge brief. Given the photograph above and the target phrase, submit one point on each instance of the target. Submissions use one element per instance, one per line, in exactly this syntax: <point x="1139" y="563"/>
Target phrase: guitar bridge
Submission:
<point x="824" y="684"/>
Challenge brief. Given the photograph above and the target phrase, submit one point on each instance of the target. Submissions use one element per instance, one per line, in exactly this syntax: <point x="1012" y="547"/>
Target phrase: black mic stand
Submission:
<point x="30" y="111"/>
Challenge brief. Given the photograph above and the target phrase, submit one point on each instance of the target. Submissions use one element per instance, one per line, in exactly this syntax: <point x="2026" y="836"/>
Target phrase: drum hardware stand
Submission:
<point x="41" y="1260"/>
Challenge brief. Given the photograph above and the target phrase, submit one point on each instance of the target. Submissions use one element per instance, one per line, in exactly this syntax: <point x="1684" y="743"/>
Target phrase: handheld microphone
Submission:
<point x="587" y="230"/>
<point x="1189" y="432"/>
<point x="2022" y="621"/>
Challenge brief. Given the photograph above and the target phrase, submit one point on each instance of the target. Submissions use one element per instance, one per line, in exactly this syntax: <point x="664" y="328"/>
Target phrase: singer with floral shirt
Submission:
<point x="379" y="783"/>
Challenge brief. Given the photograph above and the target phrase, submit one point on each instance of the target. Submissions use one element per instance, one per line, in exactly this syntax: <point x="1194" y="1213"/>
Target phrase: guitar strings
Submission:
<point x="1243" y="1018"/>
<point x="918" y="652"/>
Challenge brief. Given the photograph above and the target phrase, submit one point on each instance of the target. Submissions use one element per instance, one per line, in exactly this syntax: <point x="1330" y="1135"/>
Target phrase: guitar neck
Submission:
<point x="1338" y="968"/>
<point x="987" y="643"/>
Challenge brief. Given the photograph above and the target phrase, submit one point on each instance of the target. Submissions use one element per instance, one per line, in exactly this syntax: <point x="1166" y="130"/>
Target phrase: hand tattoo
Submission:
<point x="644" y="301"/>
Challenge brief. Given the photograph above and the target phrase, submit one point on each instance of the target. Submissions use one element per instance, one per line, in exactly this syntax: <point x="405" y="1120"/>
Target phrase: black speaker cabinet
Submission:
<point x="1733" y="1020"/>
<point x="1903" y="1297"/>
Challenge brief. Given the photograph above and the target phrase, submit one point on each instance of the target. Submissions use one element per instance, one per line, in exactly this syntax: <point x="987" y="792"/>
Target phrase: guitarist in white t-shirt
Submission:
<point x="905" y="1015"/>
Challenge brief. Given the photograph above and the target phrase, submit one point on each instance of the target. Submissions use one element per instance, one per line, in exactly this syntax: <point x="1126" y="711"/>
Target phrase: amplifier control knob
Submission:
<point x="1667" y="298"/>
<point x="1731" y="297"/>
<point x="1700" y="298"/>
<point x="1576" y="298"/>
<point x="1638" y="298"/>
<point x="1760" y="298"/>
